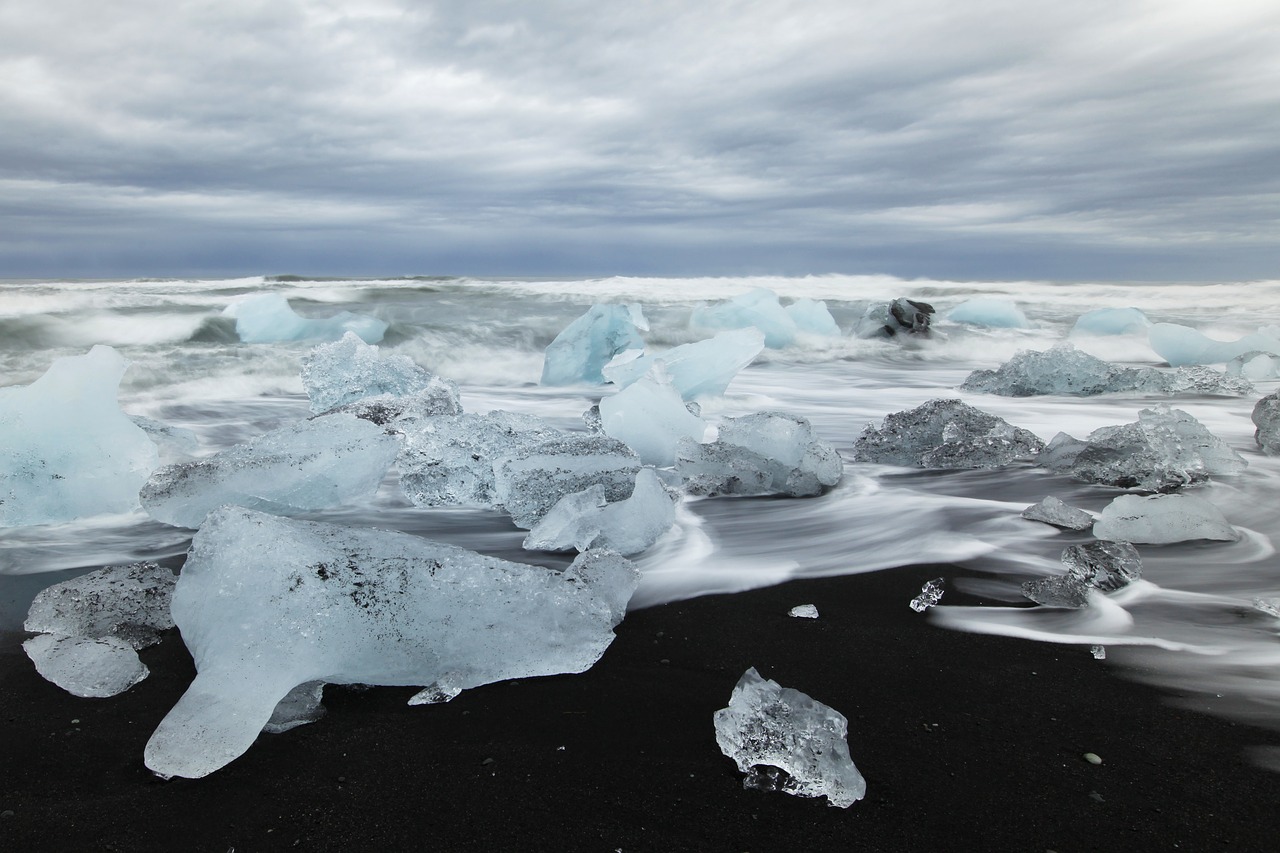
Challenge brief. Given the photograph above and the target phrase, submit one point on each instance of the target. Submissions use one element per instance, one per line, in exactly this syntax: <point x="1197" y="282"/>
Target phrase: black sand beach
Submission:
<point x="967" y="742"/>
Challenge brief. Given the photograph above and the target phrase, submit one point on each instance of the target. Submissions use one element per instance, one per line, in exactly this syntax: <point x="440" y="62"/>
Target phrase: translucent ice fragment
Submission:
<point x="1269" y="606"/>
<point x="439" y="691"/>
<point x="650" y="417"/>
<point x="265" y="604"/>
<point x="812" y="317"/>
<point x="1050" y="510"/>
<point x="1111" y="321"/>
<point x="300" y="706"/>
<point x="784" y="740"/>
<point x="66" y="449"/>
<point x="1102" y="566"/>
<point x="530" y="480"/>
<point x="586" y="345"/>
<point x="990" y="311"/>
<point x="349" y="370"/>
<point x="1255" y="366"/>
<point x="761" y="453"/>
<point x="1098" y="652"/>
<point x="803" y="611"/>
<point x="174" y="444"/>
<point x="86" y="667"/>
<point x="314" y="464"/>
<point x="1162" y="520"/>
<point x="1180" y="345"/>
<point x="696" y="369"/>
<point x="930" y="594"/>
<point x="945" y="434"/>
<point x="759" y="308"/>
<point x="267" y="317"/>
<point x="130" y="603"/>
<point x="585" y="519"/>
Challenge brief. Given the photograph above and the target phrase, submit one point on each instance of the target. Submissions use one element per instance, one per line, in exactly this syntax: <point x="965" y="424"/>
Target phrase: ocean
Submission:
<point x="1190" y="625"/>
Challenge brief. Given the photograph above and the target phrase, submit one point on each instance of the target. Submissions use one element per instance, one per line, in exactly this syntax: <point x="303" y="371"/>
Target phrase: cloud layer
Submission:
<point x="989" y="139"/>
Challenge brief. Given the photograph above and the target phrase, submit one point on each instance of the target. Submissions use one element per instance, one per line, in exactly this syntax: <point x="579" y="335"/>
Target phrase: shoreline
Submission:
<point x="965" y="740"/>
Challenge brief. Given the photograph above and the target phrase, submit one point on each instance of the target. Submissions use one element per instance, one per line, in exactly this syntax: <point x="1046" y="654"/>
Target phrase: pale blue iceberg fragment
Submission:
<point x="1181" y="345"/>
<point x="586" y="519"/>
<point x="1111" y="321"/>
<point x="585" y="346"/>
<point x="812" y="317"/>
<point x="650" y="416"/>
<point x="528" y="481"/>
<point x="990" y="311"/>
<point x="759" y="308"/>
<point x="267" y="318"/>
<point x="349" y="370"/>
<point x="697" y="369"/>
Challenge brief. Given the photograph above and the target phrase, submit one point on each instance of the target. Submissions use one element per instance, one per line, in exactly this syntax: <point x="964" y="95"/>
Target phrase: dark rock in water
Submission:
<point x="1104" y="566"/>
<point x="889" y="319"/>
<point x="911" y="315"/>
<point x="945" y="434"/>
<point x="1266" y="417"/>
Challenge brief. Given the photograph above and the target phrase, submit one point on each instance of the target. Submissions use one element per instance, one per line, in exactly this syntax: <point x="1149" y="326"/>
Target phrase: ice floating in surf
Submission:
<point x="1181" y="345"/>
<point x="696" y="369"/>
<point x="350" y="371"/>
<point x="314" y="464"/>
<point x="1051" y="510"/>
<point x="267" y="318"/>
<point x="945" y="434"/>
<point x="266" y="604"/>
<point x="1100" y="566"/>
<point x="1163" y="520"/>
<point x="990" y="311"/>
<point x="1266" y="420"/>
<point x="1255" y="366"/>
<point x="67" y="451"/>
<point x="761" y="309"/>
<point x="585" y="520"/>
<point x="758" y="454"/>
<point x="785" y="740"/>
<point x="1111" y="321"/>
<point x="582" y="349"/>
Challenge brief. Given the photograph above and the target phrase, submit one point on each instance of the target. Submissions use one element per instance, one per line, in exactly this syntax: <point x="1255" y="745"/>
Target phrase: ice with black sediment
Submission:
<point x="1266" y="422"/>
<point x="322" y="462"/>
<point x="1164" y="450"/>
<point x="1101" y="566"/>
<point x="760" y="453"/>
<point x="266" y="604"/>
<point x="586" y="519"/>
<point x="1051" y="510"/>
<point x="1163" y="520"/>
<point x="530" y="480"/>
<point x="350" y="373"/>
<point x="92" y="668"/>
<point x="582" y="349"/>
<point x="785" y="740"/>
<point x="945" y="434"/>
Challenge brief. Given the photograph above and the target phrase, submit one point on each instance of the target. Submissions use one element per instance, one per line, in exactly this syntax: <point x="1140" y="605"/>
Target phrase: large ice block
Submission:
<point x="785" y="740"/>
<point x="696" y="369"/>
<point x="812" y="317"/>
<point x="761" y="453"/>
<point x="349" y="370"/>
<point x="1163" y="520"/>
<point x="66" y="449"/>
<point x="759" y="308"/>
<point x="586" y="345"/>
<point x="990" y="311"/>
<point x="650" y="416"/>
<point x="314" y="464"/>
<point x="265" y="604"/>
<point x="267" y="318"/>
<point x="530" y="480"/>
<point x="945" y="434"/>
<point x="1181" y="345"/>
<point x="586" y="519"/>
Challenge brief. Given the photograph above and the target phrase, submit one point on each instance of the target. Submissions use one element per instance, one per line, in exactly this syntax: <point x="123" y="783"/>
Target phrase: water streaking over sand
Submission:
<point x="1190" y="624"/>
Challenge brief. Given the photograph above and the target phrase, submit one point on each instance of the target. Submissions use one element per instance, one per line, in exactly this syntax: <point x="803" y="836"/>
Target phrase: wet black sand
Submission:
<point x="967" y="743"/>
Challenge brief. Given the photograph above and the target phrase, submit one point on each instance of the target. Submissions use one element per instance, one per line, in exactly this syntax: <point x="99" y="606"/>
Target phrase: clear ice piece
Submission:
<point x="757" y="308"/>
<point x="585" y="346"/>
<point x="803" y="611"/>
<point x="696" y="369"/>
<point x="585" y="520"/>
<point x="785" y="740"/>
<point x="265" y="604"/>
<point x="1255" y="366"/>
<point x="130" y="603"/>
<point x="1163" y="520"/>
<point x="650" y="417"/>
<point x="1098" y="652"/>
<point x="761" y="453"/>
<point x="1111" y="321"/>
<point x="267" y="318"/>
<point x="1053" y="511"/>
<point x="89" y="667"/>
<point x="1102" y="566"/>
<point x="930" y="594"/>
<point x="945" y="434"/>
<point x="300" y="706"/>
<point x="349" y="370"/>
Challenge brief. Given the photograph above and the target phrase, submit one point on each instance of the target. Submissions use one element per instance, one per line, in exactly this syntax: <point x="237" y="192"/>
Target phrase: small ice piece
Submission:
<point x="1269" y="606"/>
<point x="890" y="319"/>
<point x="1103" y="566"/>
<point x="300" y="706"/>
<point x="436" y="693"/>
<point x="528" y="481"/>
<point x="66" y="449"/>
<point x="265" y="604"/>
<point x="1254" y="366"/>
<point x="1181" y="345"/>
<point x="945" y="434"/>
<point x="129" y="603"/>
<point x="784" y="740"/>
<point x="1098" y="652"/>
<point x="761" y="453"/>
<point x="1166" y="449"/>
<point x="759" y="308"/>
<point x="812" y="317"/>
<point x="1163" y="520"/>
<point x="309" y="465"/>
<point x="990" y="311"/>
<point x="349" y="370"/>
<point x="174" y="444"/>
<point x="1058" y="591"/>
<point x="1111" y="321"/>
<point x="803" y="611"/>
<point x="267" y="318"/>
<point x="86" y="667"/>
<point x="585" y="520"/>
<point x="929" y="595"/>
<point x="1051" y="510"/>
<point x="1266" y="420"/>
<point x="586" y="345"/>
<point x="650" y="416"/>
<point x="697" y="369"/>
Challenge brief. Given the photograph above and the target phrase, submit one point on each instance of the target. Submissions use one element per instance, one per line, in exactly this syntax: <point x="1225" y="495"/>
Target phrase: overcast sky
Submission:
<point x="988" y="139"/>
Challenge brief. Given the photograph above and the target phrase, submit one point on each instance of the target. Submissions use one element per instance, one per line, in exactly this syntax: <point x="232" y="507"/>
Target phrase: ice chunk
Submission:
<point x="1102" y="566"/>
<point x="1180" y="345"/>
<point x="265" y="604"/>
<point x="1163" y="519"/>
<point x="784" y="740"/>
<point x="803" y="611"/>
<point x="990" y="311"/>
<point x="945" y="434"/>
<point x="439" y="691"/>
<point x="349" y="370"/>
<point x="449" y="460"/>
<point x="300" y="706"/>
<point x="66" y="449"/>
<point x="1254" y="366"/>
<point x="310" y="465"/>
<point x="1164" y="450"/>
<point x="396" y="412"/>
<point x="174" y="444"/>
<point x="1050" y="510"/>
<point x="267" y="318"/>
<point x="1098" y="652"/>
<point x="585" y="519"/>
<point x="1111" y="321"/>
<point x="90" y="668"/>
<point x="759" y="308"/>
<point x="812" y="317"/>
<point x="650" y="416"/>
<point x="586" y="345"/>
<point x="930" y="594"/>
<point x="889" y="319"/>
<point x="1266" y="420"/>
<point x="762" y="453"/>
<point x="1269" y="606"/>
<point x="697" y="369"/>
<point x="529" y="481"/>
<point x="129" y="603"/>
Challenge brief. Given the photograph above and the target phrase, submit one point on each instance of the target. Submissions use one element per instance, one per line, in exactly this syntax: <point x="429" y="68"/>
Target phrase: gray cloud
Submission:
<point x="1004" y="139"/>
